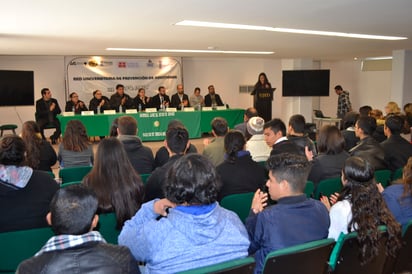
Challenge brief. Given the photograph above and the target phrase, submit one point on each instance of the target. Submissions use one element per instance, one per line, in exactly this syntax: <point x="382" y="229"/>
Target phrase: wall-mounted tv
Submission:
<point x="16" y="88"/>
<point x="305" y="82"/>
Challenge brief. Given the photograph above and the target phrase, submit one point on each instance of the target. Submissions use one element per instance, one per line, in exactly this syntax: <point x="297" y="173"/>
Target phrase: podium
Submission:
<point x="262" y="101"/>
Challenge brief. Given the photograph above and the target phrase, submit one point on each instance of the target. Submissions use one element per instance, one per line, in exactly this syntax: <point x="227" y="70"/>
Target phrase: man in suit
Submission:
<point x="397" y="149"/>
<point x="161" y="100"/>
<point x="47" y="109"/>
<point x="179" y="99"/>
<point x="212" y="99"/>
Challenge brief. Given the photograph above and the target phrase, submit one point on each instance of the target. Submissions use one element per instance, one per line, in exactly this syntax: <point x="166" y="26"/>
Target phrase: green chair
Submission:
<point x="311" y="257"/>
<point x="17" y="246"/>
<point x="309" y="188"/>
<point x="11" y="127"/>
<point x="345" y="255"/>
<point x="397" y="174"/>
<point x="236" y="266"/>
<point x="239" y="203"/>
<point x="145" y="177"/>
<point x="107" y="227"/>
<point x="71" y="174"/>
<point x="70" y="184"/>
<point x="328" y="186"/>
<point x="51" y="174"/>
<point x="383" y="176"/>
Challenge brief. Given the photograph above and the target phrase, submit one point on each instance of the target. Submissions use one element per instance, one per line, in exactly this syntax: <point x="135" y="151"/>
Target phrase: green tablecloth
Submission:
<point x="152" y="125"/>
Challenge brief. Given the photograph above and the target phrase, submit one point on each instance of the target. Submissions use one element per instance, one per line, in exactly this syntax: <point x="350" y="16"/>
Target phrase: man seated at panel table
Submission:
<point x="47" y="109"/>
<point x="121" y="101"/>
<point x="179" y="99"/>
<point x="99" y="102"/>
<point x="212" y="99"/>
<point x="161" y="100"/>
<point x="74" y="104"/>
<point x="76" y="248"/>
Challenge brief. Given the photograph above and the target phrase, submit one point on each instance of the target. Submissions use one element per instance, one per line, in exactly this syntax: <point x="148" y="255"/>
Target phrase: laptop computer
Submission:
<point x="319" y="114"/>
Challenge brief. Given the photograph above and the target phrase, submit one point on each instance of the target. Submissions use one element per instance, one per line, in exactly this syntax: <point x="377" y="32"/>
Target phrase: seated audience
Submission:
<point x="365" y="110"/>
<point x="162" y="155"/>
<point x="348" y="133"/>
<point x="295" y="219"/>
<point x="331" y="157"/>
<point x="179" y="100"/>
<point x="196" y="231"/>
<point x="239" y="173"/>
<point x="256" y="144"/>
<point x="196" y="100"/>
<point x="177" y="142"/>
<point x="398" y="196"/>
<point x="75" y="149"/>
<point x="274" y="132"/>
<point x="99" y="102"/>
<point x="139" y="155"/>
<point x="74" y="104"/>
<point x="360" y="207"/>
<point x="118" y="187"/>
<point x="212" y="99"/>
<point x="25" y="193"/>
<point x="113" y="128"/>
<point x="141" y="100"/>
<point x="378" y="134"/>
<point x="296" y="134"/>
<point x="249" y="113"/>
<point x="76" y="248"/>
<point x="368" y="148"/>
<point x="397" y="149"/>
<point x="40" y="154"/>
<point x="215" y="150"/>
<point x="392" y="108"/>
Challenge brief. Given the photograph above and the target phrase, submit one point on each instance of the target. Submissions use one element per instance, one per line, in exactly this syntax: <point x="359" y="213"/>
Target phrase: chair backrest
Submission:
<point x="70" y="184"/>
<point x="71" y="174"/>
<point x="309" y="188"/>
<point x="107" y="227"/>
<point x="51" y="174"/>
<point x="403" y="262"/>
<point x="236" y="266"/>
<point x="145" y="177"/>
<point x="345" y="255"/>
<point x="17" y="246"/>
<point x="383" y="176"/>
<point x="239" y="203"/>
<point x="311" y="257"/>
<point x="328" y="186"/>
<point x="397" y="174"/>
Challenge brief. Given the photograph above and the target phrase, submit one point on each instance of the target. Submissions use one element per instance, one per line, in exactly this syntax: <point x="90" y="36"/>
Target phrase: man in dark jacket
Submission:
<point x="274" y="132"/>
<point x="296" y="134"/>
<point x="76" y="248"/>
<point x="179" y="99"/>
<point x="47" y="109"/>
<point x="139" y="155"/>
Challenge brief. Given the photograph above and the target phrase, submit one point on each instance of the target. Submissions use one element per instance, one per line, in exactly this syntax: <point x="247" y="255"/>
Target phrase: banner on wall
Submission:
<point x="87" y="74"/>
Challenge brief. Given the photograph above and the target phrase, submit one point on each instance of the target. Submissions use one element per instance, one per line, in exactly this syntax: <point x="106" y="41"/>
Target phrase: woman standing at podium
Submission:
<point x="263" y="82"/>
<point x="263" y="105"/>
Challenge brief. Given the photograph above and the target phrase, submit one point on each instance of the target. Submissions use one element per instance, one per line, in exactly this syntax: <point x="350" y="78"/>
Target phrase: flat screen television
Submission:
<point x="305" y="82"/>
<point x="16" y="88"/>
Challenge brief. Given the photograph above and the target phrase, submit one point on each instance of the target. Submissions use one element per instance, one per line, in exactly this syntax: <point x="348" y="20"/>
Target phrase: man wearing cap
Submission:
<point x="256" y="145"/>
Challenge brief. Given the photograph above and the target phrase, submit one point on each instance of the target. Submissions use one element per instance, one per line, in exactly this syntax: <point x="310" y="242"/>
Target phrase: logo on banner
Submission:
<point x="121" y="64"/>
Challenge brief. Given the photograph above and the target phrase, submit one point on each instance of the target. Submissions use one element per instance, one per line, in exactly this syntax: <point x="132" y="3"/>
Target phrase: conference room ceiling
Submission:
<point x="75" y="27"/>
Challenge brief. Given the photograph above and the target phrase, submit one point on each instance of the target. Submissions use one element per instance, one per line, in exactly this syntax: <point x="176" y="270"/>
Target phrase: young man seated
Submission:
<point x="76" y="248"/>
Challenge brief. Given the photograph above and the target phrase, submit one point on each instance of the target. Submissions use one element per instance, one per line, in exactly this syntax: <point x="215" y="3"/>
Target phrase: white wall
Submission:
<point x="226" y="74"/>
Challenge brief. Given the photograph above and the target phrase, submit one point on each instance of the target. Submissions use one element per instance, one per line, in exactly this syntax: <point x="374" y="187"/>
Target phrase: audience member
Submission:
<point x="118" y="187"/>
<point x="392" y="108"/>
<point x="76" y="248"/>
<point x="239" y="173"/>
<point x="365" y="110"/>
<point x="196" y="100"/>
<point x="162" y="155"/>
<point x="139" y="155"/>
<point x="361" y="208"/>
<point x="407" y="108"/>
<point x="47" y="109"/>
<point x="179" y="100"/>
<point x="212" y="99"/>
<point x="176" y="143"/>
<point x="331" y="157"/>
<point x="74" y="104"/>
<point x="215" y="150"/>
<point x="99" y="103"/>
<point x="398" y="196"/>
<point x="295" y="219"/>
<point x="249" y="113"/>
<point x="378" y="133"/>
<point x="397" y="149"/>
<point x="121" y="101"/>
<point x="348" y="133"/>
<point x="141" y="101"/>
<point x="40" y="154"/>
<point x="25" y="193"/>
<point x="160" y="101"/>
<point x="344" y="104"/>
<point x="75" y="149"/>
<point x="256" y="145"/>
<point x="368" y="148"/>
<point x="113" y="128"/>
<point x="274" y="132"/>
<point x="197" y="231"/>
<point x="296" y="134"/>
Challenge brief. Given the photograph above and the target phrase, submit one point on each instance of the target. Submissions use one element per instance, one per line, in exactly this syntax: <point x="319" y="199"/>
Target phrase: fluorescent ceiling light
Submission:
<point x="191" y="51"/>
<point x="301" y="31"/>
<point x="378" y="58"/>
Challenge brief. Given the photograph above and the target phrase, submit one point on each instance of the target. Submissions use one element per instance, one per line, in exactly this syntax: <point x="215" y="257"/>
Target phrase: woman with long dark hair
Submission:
<point x="361" y="208"/>
<point x="117" y="185"/>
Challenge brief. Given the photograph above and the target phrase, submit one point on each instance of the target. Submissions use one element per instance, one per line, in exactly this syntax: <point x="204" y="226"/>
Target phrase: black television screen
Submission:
<point x="16" y="88"/>
<point x="305" y="82"/>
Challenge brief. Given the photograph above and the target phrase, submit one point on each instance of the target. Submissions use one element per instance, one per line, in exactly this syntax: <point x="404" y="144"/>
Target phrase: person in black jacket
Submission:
<point x="212" y="99"/>
<point x="179" y="99"/>
<point x="47" y="109"/>
<point x="76" y="248"/>
<point x="296" y="134"/>
<point x="99" y="101"/>
<point x="74" y="104"/>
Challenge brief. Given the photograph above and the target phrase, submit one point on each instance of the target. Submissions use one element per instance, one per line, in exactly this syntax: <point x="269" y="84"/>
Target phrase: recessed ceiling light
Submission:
<point x="288" y="30"/>
<point x="191" y="51"/>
